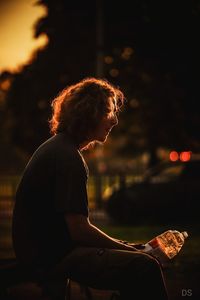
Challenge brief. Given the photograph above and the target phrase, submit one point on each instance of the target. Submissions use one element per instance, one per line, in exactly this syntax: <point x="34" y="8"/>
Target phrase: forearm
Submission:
<point x="93" y="237"/>
<point x="138" y="246"/>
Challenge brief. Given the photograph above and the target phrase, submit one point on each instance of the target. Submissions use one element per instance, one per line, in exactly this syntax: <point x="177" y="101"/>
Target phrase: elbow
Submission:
<point x="78" y="229"/>
<point x="77" y="235"/>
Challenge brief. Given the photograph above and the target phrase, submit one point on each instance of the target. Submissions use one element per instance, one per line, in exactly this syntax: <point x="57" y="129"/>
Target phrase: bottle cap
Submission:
<point x="185" y="234"/>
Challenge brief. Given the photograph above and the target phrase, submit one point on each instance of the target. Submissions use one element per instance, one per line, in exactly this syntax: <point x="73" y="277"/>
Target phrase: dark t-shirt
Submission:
<point x="53" y="184"/>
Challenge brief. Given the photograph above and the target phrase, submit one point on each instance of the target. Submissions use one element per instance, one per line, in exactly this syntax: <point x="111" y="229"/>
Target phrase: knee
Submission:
<point x="144" y="264"/>
<point x="152" y="262"/>
<point x="152" y="268"/>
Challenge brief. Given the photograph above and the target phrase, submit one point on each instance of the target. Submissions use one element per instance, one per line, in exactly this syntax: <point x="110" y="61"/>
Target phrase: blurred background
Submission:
<point x="146" y="177"/>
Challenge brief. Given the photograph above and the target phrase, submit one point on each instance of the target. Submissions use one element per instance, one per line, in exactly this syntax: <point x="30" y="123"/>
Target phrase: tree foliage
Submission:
<point x="158" y="76"/>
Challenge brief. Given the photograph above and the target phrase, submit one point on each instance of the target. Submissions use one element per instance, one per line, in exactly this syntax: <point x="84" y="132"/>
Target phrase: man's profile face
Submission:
<point x="107" y="123"/>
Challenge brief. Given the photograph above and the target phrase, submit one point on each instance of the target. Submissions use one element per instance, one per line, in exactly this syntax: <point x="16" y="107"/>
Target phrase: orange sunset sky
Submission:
<point x="17" y="19"/>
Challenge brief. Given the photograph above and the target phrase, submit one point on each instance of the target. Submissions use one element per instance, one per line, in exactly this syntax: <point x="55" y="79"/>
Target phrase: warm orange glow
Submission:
<point x="185" y="156"/>
<point x="5" y="85"/>
<point x="127" y="52"/>
<point x="108" y="59"/>
<point x="134" y="103"/>
<point x="114" y="72"/>
<point x="173" y="156"/>
<point x="17" y="20"/>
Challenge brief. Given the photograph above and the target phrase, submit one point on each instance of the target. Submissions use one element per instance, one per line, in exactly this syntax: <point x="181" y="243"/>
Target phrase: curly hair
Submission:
<point x="79" y="108"/>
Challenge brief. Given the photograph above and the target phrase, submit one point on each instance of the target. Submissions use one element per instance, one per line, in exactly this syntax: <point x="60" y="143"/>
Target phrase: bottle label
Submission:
<point x="157" y="250"/>
<point x="166" y="245"/>
<point x="154" y="243"/>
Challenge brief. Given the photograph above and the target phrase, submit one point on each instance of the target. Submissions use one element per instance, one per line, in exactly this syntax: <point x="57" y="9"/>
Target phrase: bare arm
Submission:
<point x="86" y="234"/>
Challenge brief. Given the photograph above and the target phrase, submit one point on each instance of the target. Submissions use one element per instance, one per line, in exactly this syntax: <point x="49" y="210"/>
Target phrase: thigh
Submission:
<point x="103" y="268"/>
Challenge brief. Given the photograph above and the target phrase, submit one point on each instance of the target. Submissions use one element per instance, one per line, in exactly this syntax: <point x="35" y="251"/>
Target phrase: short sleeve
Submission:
<point x="71" y="184"/>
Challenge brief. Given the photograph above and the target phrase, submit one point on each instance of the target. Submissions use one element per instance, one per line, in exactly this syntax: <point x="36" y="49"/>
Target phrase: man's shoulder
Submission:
<point x="67" y="154"/>
<point x="58" y="143"/>
<point x="57" y="146"/>
<point x="63" y="148"/>
<point x="62" y="151"/>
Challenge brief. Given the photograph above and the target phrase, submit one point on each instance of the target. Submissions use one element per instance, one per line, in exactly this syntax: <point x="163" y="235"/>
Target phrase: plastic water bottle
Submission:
<point x="166" y="245"/>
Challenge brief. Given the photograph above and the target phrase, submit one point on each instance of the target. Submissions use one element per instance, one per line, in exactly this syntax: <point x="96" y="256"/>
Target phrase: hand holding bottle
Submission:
<point x="166" y="245"/>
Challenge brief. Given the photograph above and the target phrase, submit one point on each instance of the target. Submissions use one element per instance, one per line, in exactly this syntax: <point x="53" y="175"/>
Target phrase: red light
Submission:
<point x="173" y="156"/>
<point x="185" y="156"/>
